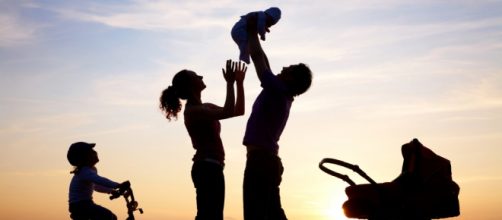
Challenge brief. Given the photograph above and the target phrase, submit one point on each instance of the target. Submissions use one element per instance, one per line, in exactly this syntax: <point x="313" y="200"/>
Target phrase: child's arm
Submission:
<point x="102" y="189"/>
<point x="121" y="187"/>
<point x="92" y="176"/>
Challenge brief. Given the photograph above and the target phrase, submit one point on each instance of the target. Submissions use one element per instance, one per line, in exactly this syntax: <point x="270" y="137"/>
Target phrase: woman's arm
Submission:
<point x="211" y="111"/>
<point x="240" y="74"/>
<point x="229" y="75"/>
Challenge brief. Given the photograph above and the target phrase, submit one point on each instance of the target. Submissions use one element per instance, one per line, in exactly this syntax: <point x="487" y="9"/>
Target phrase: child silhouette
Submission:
<point x="86" y="180"/>
<point x="261" y="20"/>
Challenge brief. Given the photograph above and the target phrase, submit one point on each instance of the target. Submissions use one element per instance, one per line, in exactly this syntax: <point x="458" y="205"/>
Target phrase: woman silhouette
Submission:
<point x="203" y="126"/>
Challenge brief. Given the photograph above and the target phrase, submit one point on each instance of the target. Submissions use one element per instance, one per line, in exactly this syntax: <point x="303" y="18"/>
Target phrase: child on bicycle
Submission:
<point x="86" y="180"/>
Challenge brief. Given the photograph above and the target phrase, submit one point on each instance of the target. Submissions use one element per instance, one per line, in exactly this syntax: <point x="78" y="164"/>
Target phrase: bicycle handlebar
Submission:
<point x="123" y="188"/>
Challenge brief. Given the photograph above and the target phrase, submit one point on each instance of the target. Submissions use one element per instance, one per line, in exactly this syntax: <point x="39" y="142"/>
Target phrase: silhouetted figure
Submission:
<point x="86" y="180"/>
<point x="203" y="126"/>
<point x="262" y="20"/>
<point x="268" y="118"/>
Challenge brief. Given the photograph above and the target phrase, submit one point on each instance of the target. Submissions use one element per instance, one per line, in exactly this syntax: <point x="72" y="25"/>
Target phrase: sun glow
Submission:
<point x="334" y="209"/>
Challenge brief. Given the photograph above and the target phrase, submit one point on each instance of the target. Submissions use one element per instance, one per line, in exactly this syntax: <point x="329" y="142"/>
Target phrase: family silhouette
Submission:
<point x="267" y="120"/>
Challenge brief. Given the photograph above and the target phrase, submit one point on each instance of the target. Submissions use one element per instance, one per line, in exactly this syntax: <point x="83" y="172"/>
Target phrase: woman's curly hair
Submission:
<point x="170" y="103"/>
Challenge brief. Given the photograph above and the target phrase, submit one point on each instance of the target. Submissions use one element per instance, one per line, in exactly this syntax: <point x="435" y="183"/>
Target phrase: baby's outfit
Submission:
<point x="240" y="29"/>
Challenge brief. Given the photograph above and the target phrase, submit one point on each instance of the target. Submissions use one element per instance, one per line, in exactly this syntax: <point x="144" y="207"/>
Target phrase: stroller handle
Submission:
<point x="343" y="177"/>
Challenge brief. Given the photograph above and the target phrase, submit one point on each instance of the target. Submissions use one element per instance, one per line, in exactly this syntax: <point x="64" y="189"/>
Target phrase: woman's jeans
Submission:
<point x="209" y="183"/>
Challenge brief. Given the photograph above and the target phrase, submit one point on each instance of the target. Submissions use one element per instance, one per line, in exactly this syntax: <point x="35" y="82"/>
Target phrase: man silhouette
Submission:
<point x="266" y="123"/>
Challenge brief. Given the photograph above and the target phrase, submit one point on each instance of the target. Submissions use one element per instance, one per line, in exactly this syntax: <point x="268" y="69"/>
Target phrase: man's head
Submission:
<point x="297" y="77"/>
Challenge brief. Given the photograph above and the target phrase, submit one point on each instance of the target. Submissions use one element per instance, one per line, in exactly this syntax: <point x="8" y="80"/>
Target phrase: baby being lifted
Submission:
<point x="263" y="20"/>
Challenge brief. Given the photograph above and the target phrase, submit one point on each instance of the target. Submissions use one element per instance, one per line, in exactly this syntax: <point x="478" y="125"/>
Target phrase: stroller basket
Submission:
<point x="423" y="190"/>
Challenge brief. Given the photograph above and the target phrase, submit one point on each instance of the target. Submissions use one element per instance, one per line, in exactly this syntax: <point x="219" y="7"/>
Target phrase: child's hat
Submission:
<point x="275" y="13"/>
<point x="76" y="152"/>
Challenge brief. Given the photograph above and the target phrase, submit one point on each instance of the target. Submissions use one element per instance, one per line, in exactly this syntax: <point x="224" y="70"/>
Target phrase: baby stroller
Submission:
<point x="424" y="190"/>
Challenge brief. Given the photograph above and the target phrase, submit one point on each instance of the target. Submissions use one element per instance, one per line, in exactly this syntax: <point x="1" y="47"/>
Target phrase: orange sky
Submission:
<point x="384" y="72"/>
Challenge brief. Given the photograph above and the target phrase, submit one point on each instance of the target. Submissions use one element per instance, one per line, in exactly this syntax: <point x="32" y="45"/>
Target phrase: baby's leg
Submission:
<point x="240" y="37"/>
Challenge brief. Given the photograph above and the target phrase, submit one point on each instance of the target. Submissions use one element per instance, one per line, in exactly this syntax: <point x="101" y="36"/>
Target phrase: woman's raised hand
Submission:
<point x="240" y="71"/>
<point x="229" y="73"/>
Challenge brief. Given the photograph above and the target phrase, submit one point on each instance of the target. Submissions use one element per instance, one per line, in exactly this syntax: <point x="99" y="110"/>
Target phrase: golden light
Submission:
<point x="334" y="209"/>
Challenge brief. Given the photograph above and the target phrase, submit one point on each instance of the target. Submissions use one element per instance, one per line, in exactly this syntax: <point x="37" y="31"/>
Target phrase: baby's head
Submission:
<point x="82" y="154"/>
<point x="273" y="15"/>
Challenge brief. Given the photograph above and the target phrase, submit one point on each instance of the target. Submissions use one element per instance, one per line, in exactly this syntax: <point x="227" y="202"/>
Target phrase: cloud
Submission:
<point x="39" y="124"/>
<point x="14" y="31"/>
<point x="350" y="41"/>
<point x="483" y="96"/>
<point x="152" y="15"/>
<point x="131" y="88"/>
<point x="37" y="173"/>
<point x="445" y="80"/>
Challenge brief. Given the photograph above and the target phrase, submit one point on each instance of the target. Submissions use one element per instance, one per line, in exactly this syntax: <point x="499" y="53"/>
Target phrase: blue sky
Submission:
<point x="384" y="72"/>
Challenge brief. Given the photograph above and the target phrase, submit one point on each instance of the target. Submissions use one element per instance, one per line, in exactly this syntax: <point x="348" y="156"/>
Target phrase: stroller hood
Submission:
<point x="422" y="166"/>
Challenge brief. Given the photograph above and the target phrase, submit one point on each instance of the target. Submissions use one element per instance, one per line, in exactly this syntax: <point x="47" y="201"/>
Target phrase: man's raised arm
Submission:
<point x="258" y="56"/>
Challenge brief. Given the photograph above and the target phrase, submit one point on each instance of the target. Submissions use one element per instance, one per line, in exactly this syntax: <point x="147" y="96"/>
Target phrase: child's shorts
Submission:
<point x="84" y="210"/>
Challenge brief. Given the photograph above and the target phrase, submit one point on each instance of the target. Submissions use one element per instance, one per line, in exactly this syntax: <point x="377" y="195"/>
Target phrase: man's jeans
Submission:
<point x="262" y="178"/>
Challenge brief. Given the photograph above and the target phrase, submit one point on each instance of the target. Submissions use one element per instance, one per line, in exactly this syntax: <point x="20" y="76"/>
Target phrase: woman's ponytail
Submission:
<point x="170" y="103"/>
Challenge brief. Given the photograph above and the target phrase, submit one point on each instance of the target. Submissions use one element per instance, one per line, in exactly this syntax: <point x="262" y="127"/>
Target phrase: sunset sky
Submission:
<point x="385" y="72"/>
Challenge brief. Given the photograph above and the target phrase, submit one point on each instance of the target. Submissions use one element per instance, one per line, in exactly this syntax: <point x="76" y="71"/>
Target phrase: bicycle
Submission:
<point x="132" y="205"/>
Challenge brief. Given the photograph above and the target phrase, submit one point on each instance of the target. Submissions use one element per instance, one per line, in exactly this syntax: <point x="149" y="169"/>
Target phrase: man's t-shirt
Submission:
<point x="269" y="114"/>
